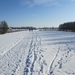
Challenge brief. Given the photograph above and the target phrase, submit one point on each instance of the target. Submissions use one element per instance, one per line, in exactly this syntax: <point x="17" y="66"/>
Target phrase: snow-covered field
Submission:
<point x="37" y="53"/>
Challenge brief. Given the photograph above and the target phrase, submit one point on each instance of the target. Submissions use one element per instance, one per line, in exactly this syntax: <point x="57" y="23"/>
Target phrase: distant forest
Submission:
<point x="34" y="28"/>
<point x="69" y="26"/>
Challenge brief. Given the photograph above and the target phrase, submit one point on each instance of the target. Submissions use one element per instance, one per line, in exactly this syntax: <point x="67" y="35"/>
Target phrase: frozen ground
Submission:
<point x="37" y="53"/>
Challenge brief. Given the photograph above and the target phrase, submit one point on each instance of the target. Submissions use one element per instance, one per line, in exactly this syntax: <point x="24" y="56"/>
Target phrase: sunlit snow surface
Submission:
<point x="37" y="53"/>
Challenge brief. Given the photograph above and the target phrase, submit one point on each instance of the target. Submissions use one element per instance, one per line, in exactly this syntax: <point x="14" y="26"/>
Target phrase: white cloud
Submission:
<point x="72" y="0"/>
<point x="39" y="2"/>
<point x="26" y="2"/>
<point x="54" y="3"/>
<point x="42" y="1"/>
<point x="34" y="14"/>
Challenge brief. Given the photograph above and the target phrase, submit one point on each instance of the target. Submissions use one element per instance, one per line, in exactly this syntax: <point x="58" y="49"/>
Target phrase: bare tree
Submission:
<point x="3" y="27"/>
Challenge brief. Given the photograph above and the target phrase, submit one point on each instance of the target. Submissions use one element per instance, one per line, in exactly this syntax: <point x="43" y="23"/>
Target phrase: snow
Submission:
<point x="37" y="53"/>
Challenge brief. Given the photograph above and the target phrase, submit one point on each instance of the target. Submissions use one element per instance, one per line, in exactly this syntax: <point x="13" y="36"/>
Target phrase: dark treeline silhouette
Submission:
<point x="67" y="26"/>
<point x="3" y="27"/>
<point x="48" y="28"/>
<point x="29" y="28"/>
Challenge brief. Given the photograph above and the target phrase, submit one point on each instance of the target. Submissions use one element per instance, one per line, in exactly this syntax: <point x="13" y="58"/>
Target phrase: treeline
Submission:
<point x="69" y="26"/>
<point x="34" y="28"/>
<point x="3" y="27"/>
<point x="48" y="28"/>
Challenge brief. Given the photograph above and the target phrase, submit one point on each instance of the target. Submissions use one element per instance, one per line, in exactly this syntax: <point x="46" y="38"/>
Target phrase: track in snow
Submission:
<point x="11" y="59"/>
<point x="30" y="55"/>
<point x="34" y="62"/>
<point x="62" y="57"/>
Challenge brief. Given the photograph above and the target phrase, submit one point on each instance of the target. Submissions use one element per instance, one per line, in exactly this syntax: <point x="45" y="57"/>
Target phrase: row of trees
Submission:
<point x="3" y="27"/>
<point x="34" y="28"/>
<point x="67" y="26"/>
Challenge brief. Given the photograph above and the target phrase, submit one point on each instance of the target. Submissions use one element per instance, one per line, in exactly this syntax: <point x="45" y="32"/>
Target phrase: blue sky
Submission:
<point x="37" y="13"/>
